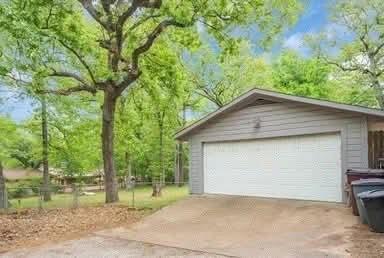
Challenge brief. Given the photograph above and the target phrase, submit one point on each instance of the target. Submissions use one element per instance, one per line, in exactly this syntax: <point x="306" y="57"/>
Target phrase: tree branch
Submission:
<point x="80" y="58"/>
<point x="350" y="69"/>
<point x="140" y="22"/>
<point x="156" y="4"/>
<point x="128" y="80"/>
<point x="69" y="91"/>
<point x="106" y="5"/>
<point x="208" y="96"/>
<point x="379" y="47"/>
<point x="96" y="15"/>
<point x="69" y="75"/>
<point x="151" y="39"/>
<point x="134" y="6"/>
<point x="134" y="72"/>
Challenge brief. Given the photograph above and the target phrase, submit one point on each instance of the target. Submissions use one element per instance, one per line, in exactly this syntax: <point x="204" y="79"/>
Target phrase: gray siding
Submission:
<point x="281" y="119"/>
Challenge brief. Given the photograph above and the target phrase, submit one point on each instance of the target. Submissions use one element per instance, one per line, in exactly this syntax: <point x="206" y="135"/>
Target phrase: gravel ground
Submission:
<point x="366" y="243"/>
<point x="31" y="227"/>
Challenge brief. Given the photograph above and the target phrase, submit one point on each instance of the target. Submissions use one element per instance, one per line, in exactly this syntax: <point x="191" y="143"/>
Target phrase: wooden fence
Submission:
<point x="375" y="148"/>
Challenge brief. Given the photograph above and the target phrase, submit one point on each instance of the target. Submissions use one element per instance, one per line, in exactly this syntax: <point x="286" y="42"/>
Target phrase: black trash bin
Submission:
<point x="363" y="185"/>
<point x="374" y="206"/>
<point x="361" y="208"/>
<point x="356" y="174"/>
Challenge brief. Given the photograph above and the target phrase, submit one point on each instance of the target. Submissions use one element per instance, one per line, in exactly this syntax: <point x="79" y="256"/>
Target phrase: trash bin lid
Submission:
<point x="365" y="171"/>
<point x="369" y="181"/>
<point x="366" y="193"/>
<point x="372" y="194"/>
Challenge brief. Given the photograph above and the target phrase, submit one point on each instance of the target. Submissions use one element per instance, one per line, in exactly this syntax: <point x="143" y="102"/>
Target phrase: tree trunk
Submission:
<point x="378" y="92"/>
<point x="128" y="176"/>
<point x="180" y="160"/>
<point x="3" y="194"/>
<point x="162" y="177"/>
<point x="111" y="187"/>
<point x="376" y="85"/>
<point x="180" y="164"/>
<point x="44" y="130"/>
<point x="158" y="183"/>
<point x="176" y="173"/>
<point x="2" y="180"/>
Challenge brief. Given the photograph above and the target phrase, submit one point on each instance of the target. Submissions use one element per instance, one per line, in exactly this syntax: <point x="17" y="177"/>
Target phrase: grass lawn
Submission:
<point x="143" y="199"/>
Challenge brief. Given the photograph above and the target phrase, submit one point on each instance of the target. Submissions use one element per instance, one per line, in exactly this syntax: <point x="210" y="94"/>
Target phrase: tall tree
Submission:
<point x="102" y="51"/>
<point x="3" y="195"/>
<point x="74" y="129"/>
<point x="220" y="77"/>
<point x="7" y="132"/>
<point x="359" y="35"/>
<point x="44" y="134"/>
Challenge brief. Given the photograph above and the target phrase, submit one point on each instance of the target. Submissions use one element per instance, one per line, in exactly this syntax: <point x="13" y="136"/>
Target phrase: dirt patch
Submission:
<point x="365" y="243"/>
<point x="31" y="227"/>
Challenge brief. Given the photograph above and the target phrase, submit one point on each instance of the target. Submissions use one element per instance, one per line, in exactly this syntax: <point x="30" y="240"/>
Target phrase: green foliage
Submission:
<point x="105" y="46"/>
<point x="301" y="76"/>
<point x="220" y="78"/>
<point x="50" y="31"/>
<point x="354" y="44"/>
<point x="74" y="130"/>
<point x="314" y="77"/>
<point x="26" y="150"/>
<point x="351" y="88"/>
<point x="28" y="187"/>
<point x="24" y="153"/>
<point x="7" y="136"/>
<point x="150" y="114"/>
<point x="178" y="73"/>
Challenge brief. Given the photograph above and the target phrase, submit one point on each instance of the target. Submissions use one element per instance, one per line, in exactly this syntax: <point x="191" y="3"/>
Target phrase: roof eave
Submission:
<point x="184" y="133"/>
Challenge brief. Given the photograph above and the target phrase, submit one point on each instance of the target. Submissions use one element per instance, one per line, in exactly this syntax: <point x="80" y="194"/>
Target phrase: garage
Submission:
<point x="300" y="167"/>
<point x="276" y="145"/>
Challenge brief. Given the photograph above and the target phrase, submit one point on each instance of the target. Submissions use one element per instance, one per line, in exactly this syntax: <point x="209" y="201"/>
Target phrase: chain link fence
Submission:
<point x="134" y="195"/>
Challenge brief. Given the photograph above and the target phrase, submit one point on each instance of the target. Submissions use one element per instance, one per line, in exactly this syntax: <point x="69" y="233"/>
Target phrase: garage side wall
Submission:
<point x="277" y="120"/>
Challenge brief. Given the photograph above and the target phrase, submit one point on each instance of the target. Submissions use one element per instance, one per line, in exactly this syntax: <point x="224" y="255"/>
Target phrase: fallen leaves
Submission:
<point x="33" y="227"/>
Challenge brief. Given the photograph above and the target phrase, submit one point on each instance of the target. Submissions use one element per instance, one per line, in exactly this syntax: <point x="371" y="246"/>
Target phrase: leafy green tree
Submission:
<point x="7" y="130"/>
<point x="301" y="76"/>
<point x="26" y="151"/>
<point x="99" y="46"/>
<point x="358" y="42"/>
<point x="220" y="77"/>
<point x="7" y="136"/>
<point x="73" y="134"/>
<point x="24" y="84"/>
<point x="156" y="105"/>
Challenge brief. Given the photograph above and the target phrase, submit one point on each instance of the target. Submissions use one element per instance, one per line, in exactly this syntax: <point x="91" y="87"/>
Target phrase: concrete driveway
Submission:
<point x="97" y="246"/>
<point x="247" y="227"/>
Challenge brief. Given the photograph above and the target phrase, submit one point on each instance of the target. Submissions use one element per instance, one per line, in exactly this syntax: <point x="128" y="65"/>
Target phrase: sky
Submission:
<point x="313" y="19"/>
<point x="11" y="104"/>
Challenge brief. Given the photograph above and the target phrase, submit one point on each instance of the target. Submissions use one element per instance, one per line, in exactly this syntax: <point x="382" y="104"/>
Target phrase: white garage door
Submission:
<point x="299" y="167"/>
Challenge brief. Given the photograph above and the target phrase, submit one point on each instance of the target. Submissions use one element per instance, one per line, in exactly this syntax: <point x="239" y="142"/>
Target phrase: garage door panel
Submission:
<point x="301" y="167"/>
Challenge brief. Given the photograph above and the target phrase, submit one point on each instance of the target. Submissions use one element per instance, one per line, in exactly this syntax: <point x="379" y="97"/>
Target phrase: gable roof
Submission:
<point x="251" y="95"/>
